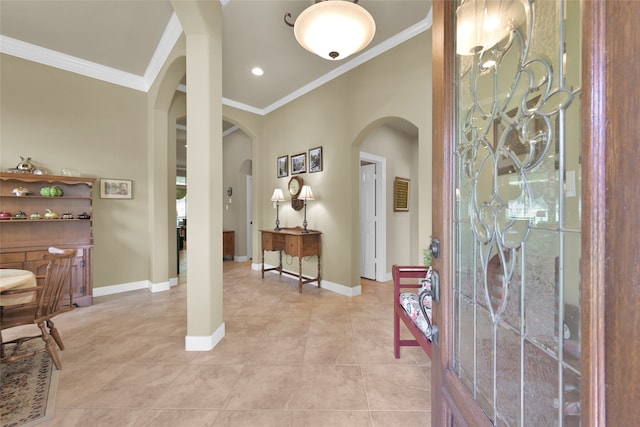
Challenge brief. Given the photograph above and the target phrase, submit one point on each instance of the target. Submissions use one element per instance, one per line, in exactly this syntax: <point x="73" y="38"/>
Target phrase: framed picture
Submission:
<point x="401" y="194"/>
<point x="315" y="160"/>
<point x="283" y="166"/>
<point x="298" y="163"/>
<point x="116" y="188"/>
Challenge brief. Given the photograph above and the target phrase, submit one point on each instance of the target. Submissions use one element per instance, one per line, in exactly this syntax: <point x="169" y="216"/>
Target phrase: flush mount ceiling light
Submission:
<point x="333" y="29"/>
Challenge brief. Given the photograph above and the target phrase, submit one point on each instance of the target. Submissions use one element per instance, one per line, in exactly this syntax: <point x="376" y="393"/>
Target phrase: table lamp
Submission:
<point x="306" y="194"/>
<point x="278" y="196"/>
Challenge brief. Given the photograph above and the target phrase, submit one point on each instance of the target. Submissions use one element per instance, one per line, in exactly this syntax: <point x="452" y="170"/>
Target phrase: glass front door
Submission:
<point x="517" y="210"/>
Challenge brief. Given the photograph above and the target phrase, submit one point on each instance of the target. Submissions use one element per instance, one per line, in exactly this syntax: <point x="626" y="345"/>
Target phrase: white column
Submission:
<point x="202" y="23"/>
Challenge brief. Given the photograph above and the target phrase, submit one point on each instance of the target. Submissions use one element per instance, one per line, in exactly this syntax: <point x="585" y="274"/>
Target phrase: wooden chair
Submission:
<point x="50" y="293"/>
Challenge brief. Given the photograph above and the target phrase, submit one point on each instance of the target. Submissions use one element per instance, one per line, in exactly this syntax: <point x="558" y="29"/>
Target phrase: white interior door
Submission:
<point x="368" y="221"/>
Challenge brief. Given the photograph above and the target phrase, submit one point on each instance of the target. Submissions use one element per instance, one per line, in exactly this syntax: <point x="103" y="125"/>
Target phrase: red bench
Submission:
<point x="407" y="279"/>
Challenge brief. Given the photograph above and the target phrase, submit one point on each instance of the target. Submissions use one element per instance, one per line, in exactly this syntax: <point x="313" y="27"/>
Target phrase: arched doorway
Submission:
<point x="388" y="149"/>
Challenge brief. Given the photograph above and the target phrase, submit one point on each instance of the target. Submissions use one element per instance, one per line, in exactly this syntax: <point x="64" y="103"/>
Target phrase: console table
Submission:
<point x="296" y="243"/>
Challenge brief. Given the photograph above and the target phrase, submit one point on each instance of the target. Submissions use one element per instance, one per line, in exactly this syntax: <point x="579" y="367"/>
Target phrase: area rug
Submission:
<point x="28" y="388"/>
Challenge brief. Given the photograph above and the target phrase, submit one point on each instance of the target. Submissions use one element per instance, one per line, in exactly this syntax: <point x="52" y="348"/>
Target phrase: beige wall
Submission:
<point x="64" y="120"/>
<point x="101" y="130"/>
<point x="337" y="116"/>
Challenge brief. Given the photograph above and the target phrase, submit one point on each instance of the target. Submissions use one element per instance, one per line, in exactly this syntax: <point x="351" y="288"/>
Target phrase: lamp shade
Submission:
<point x="334" y="29"/>
<point x="278" y="195"/>
<point x="306" y="193"/>
<point x="481" y="24"/>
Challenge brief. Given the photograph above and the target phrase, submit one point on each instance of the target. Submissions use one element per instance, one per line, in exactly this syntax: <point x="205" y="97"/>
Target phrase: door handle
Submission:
<point x="435" y="248"/>
<point x="434" y="286"/>
<point x="428" y="291"/>
<point x="434" y="291"/>
<point x="434" y="335"/>
<point x="433" y="277"/>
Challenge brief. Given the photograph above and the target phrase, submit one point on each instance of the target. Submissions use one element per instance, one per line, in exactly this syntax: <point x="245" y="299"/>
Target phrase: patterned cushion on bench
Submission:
<point x="411" y="304"/>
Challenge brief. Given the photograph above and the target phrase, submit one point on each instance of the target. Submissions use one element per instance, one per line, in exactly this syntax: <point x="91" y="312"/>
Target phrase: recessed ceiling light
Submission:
<point x="257" y="71"/>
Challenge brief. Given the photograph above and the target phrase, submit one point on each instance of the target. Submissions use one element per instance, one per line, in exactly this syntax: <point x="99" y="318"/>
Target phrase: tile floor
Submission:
<point x="314" y="358"/>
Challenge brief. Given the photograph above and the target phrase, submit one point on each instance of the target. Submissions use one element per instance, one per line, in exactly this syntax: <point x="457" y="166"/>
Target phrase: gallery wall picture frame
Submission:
<point x="298" y="163"/>
<point x="283" y="166"/>
<point x="315" y="160"/>
<point x="116" y="188"/>
<point x="401" y="194"/>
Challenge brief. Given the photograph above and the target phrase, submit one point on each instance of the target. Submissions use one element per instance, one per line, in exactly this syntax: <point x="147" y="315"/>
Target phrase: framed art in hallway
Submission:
<point x="401" y="194"/>
<point x="116" y="188"/>
<point x="283" y="166"/>
<point x="315" y="160"/>
<point x="298" y="163"/>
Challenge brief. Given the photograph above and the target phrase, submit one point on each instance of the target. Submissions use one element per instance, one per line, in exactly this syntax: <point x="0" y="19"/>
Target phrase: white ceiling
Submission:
<point x="126" y="42"/>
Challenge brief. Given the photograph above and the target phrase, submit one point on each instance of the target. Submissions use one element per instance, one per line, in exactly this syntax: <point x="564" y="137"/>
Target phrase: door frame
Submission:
<point x="368" y="219"/>
<point x="445" y="388"/>
<point x="249" y="219"/>
<point x="381" y="208"/>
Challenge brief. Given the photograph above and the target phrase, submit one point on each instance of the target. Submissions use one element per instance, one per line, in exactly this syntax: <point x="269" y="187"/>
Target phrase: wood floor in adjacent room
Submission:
<point x="314" y="358"/>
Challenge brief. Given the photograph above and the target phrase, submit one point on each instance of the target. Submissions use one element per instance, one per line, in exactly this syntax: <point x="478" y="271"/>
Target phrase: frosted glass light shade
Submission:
<point x="481" y="24"/>
<point x="334" y="29"/>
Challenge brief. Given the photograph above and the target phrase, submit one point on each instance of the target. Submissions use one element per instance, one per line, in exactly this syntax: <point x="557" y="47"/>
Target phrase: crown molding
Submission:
<point x="169" y="38"/>
<point x="70" y="63"/>
<point x="229" y="131"/>
<point x="239" y="105"/>
<point x="49" y="57"/>
<point x="167" y="42"/>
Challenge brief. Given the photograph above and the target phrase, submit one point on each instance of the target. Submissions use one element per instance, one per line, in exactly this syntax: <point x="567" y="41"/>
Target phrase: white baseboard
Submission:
<point x="325" y="284"/>
<point x="242" y="259"/>
<point x="125" y="287"/>
<point x="134" y="286"/>
<point x="199" y="343"/>
<point x="165" y="286"/>
<point x="257" y="266"/>
<point x="160" y="287"/>
<point x="341" y="289"/>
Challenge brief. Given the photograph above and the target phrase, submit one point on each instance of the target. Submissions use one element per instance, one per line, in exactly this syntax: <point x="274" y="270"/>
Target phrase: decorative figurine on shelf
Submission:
<point x="25" y="165"/>
<point x="53" y="191"/>
<point x="21" y="191"/>
<point x="51" y="214"/>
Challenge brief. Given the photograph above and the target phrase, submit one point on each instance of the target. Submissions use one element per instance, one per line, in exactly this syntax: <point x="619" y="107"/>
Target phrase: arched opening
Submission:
<point x="388" y="150"/>
<point x="167" y="106"/>
<point x="237" y="195"/>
